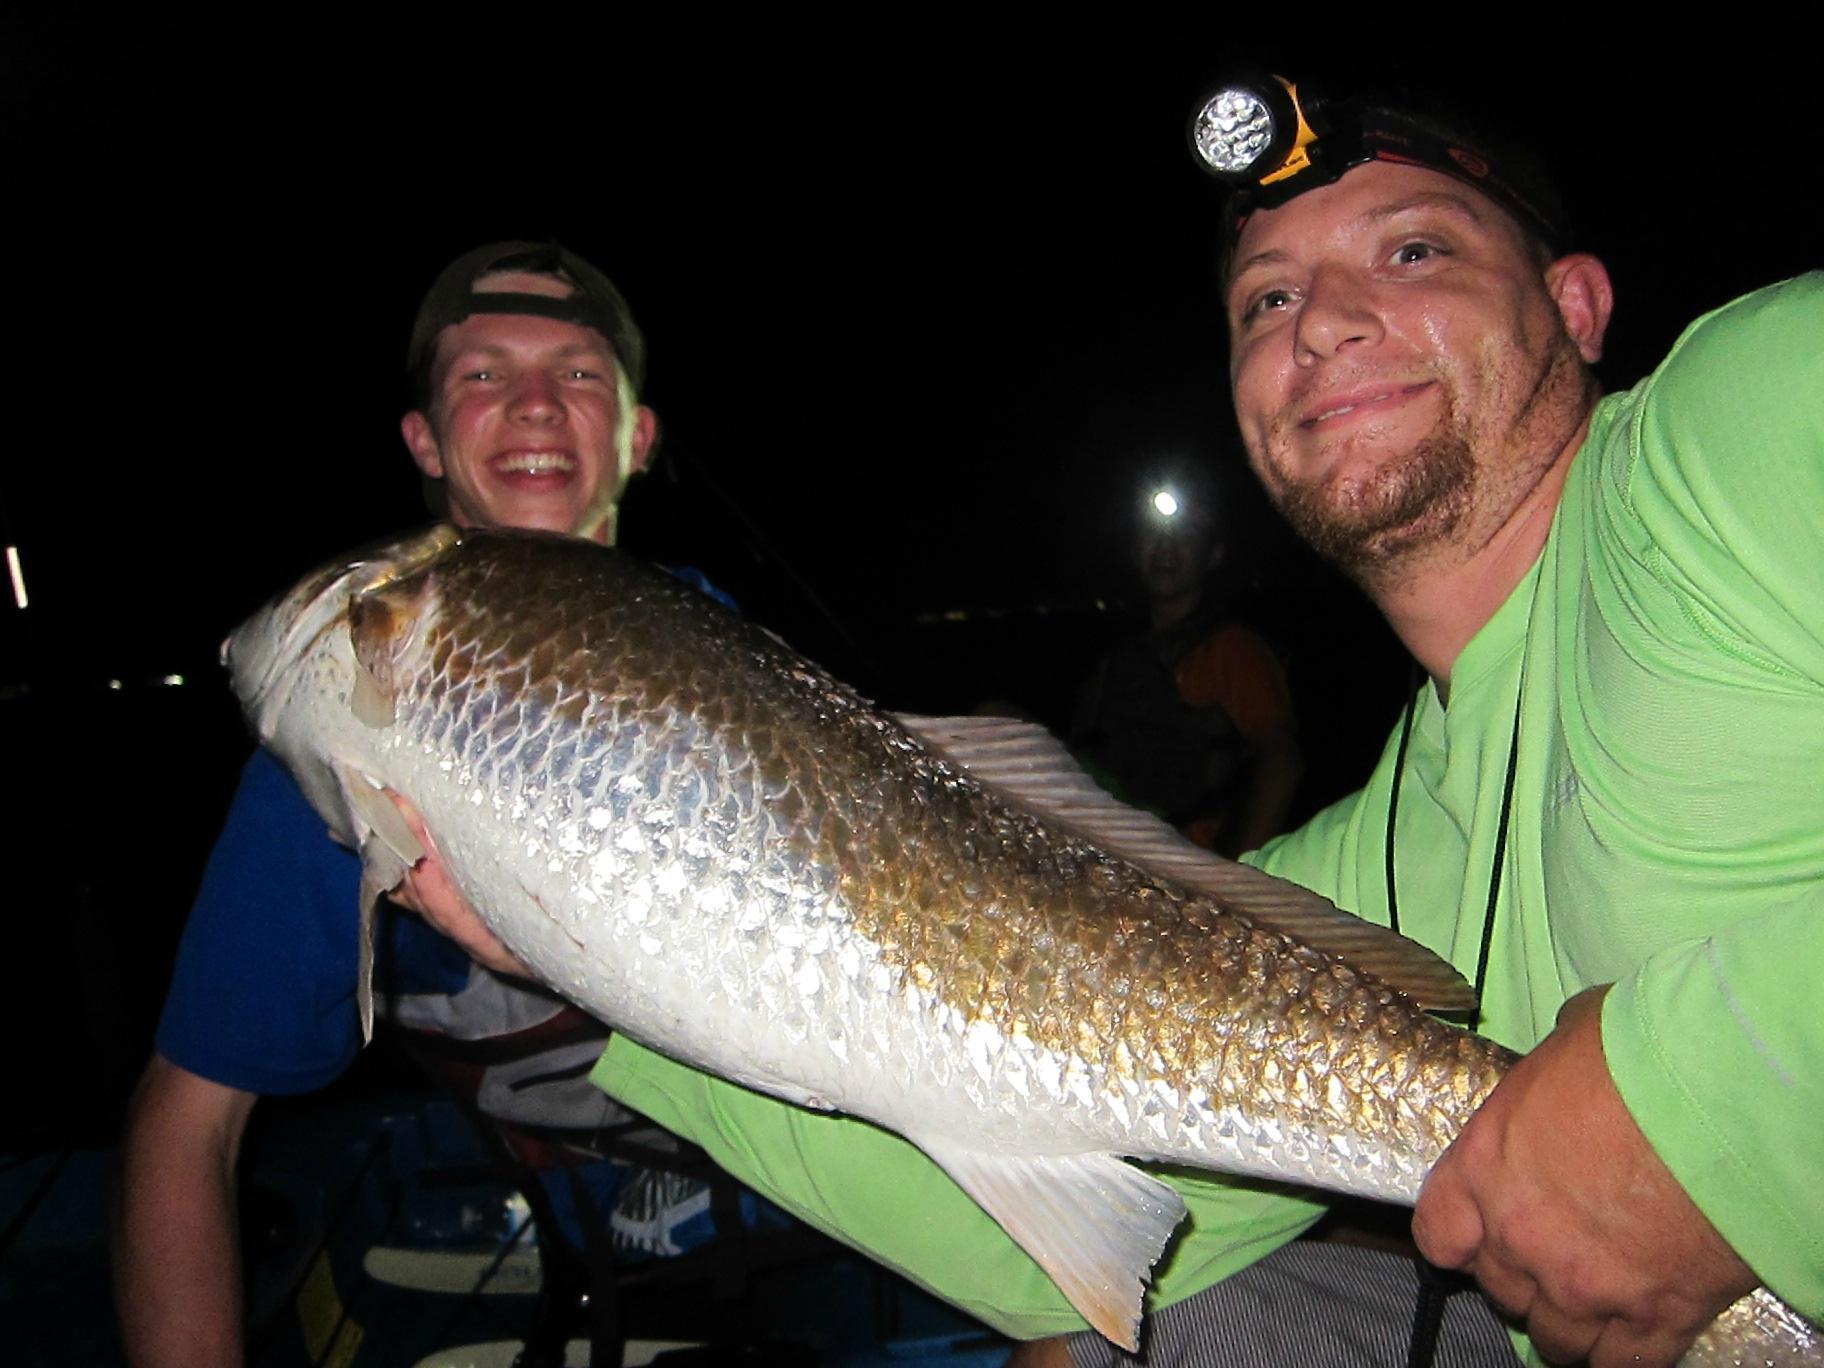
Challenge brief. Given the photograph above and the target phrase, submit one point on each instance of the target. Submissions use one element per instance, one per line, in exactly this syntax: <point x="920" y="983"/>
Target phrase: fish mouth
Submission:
<point x="262" y="653"/>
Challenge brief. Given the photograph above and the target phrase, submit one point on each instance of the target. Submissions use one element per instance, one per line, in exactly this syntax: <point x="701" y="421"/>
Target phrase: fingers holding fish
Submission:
<point x="1526" y="1200"/>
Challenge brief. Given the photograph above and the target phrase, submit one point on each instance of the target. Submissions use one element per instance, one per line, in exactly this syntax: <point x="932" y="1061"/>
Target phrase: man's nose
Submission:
<point x="534" y="397"/>
<point x="1338" y="313"/>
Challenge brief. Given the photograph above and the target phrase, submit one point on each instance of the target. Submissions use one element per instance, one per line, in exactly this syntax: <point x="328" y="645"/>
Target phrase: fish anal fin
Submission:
<point x="1028" y="766"/>
<point x="1093" y="1222"/>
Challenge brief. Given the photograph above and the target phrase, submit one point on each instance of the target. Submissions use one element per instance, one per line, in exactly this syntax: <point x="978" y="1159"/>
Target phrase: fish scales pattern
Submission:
<point x="689" y="831"/>
<point x="864" y="875"/>
<point x="636" y="778"/>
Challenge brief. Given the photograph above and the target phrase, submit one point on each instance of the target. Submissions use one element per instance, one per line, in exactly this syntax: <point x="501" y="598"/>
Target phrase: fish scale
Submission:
<point x="935" y="924"/>
<point x="984" y="885"/>
<point x="984" y="881"/>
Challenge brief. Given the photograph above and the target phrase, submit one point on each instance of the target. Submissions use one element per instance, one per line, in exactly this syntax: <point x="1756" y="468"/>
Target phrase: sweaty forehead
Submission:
<point x="1362" y="199"/>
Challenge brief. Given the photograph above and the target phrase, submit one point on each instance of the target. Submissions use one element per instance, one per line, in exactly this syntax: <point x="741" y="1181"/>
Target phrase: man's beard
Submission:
<point x="1369" y="524"/>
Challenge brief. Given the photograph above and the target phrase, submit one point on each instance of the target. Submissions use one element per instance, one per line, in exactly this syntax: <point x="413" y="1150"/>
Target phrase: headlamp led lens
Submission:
<point x="1165" y="503"/>
<point x="1232" y="130"/>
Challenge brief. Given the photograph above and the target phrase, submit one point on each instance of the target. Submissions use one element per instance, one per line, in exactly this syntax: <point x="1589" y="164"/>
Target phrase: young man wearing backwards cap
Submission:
<point x="525" y="363"/>
<point x="1611" y="782"/>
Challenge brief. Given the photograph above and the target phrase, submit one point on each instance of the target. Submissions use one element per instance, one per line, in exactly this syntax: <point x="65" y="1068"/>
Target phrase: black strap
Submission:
<point x="1498" y="864"/>
<point x="1436" y="1285"/>
<point x="1393" y="799"/>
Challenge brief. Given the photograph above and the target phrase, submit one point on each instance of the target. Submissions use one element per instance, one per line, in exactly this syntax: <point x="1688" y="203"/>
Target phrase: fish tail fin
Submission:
<point x="1093" y="1222"/>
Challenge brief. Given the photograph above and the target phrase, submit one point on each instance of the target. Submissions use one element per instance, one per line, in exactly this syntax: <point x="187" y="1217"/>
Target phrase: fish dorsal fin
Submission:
<point x="1029" y="766"/>
<point x="1094" y="1223"/>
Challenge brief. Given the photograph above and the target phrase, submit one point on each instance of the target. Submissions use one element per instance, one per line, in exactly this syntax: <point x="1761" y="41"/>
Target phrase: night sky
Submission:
<point x="924" y="301"/>
<point x="921" y="298"/>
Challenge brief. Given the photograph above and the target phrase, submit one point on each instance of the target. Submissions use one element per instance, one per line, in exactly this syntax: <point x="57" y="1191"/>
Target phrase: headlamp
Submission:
<point x="1253" y="131"/>
<point x="1267" y="141"/>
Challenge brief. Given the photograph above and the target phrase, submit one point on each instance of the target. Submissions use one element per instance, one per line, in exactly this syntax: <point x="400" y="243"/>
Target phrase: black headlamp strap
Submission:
<point x="1352" y="132"/>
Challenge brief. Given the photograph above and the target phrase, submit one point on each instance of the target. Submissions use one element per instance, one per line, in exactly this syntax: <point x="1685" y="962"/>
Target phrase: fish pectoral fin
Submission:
<point x="372" y="702"/>
<point x="381" y="871"/>
<point x="1093" y="1222"/>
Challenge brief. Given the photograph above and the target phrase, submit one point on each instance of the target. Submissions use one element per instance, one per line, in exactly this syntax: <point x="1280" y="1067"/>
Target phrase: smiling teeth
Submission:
<point x="1351" y="408"/>
<point x="538" y="462"/>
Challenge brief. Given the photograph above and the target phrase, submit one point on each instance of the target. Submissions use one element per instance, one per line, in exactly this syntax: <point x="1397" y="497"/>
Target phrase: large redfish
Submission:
<point x="939" y="925"/>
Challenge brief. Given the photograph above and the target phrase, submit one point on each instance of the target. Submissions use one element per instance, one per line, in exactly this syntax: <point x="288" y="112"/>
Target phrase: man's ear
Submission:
<point x="421" y="441"/>
<point x="644" y="440"/>
<point x="1579" y="286"/>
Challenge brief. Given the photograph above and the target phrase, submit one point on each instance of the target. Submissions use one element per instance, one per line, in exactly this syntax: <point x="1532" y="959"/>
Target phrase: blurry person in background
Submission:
<point x="1191" y="716"/>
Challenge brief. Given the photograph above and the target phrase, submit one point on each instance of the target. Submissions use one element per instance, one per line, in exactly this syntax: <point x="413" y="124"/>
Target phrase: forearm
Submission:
<point x="176" y="1255"/>
<point x="1567" y="1217"/>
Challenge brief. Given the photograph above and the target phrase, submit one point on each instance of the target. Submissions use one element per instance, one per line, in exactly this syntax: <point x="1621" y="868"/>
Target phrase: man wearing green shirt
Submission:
<point x="1611" y="777"/>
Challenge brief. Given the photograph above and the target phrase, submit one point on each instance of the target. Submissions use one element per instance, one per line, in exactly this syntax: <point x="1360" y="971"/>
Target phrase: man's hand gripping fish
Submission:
<point x="940" y="925"/>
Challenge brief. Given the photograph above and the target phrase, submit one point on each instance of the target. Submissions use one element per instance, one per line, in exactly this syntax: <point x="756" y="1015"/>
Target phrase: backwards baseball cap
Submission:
<point x="592" y="302"/>
<point x="1269" y="140"/>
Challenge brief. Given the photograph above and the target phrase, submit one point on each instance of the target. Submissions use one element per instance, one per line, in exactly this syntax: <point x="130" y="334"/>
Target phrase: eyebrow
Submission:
<point x="1428" y="199"/>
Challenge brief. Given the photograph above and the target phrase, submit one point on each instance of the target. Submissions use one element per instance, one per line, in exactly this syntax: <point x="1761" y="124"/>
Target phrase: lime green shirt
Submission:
<point x="1666" y="655"/>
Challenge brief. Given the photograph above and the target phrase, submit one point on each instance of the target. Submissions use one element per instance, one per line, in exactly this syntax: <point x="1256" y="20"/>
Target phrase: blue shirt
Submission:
<point x="263" y="994"/>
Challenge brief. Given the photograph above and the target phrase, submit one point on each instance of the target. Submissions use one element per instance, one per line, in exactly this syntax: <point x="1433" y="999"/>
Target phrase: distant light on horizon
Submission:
<point x="172" y="681"/>
<point x="1165" y="504"/>
<point x="17" y="572"/>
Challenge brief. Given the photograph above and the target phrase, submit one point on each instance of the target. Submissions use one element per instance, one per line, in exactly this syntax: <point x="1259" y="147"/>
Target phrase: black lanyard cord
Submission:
<point x="1435" y="1285"/>
<point x="1494" y="873"/>
<point x="1393" y="798"/>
